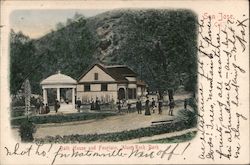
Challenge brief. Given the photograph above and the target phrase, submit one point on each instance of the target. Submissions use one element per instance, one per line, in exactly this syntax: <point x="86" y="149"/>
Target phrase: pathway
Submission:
<point x="106" y="125"/>
<point x="109" y="124"/>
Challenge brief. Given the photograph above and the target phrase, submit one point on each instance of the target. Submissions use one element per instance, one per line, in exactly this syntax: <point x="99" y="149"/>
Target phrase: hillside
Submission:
<point x="160" y="45"/>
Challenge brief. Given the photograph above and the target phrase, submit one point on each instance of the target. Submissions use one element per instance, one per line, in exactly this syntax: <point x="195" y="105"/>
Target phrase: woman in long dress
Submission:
<point x="147" y="110"/>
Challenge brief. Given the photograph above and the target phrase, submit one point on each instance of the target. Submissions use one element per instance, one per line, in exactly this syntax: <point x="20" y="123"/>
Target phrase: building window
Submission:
<point x="104" y="87"/>
<point x="87" y="87"/>
<point x="96" y="76"/>
<point x="131" y="93"/>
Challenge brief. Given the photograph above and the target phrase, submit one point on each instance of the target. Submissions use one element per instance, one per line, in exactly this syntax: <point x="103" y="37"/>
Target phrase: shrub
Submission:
<point x="188" y="117"/>
<point x="17" y="101"/>
<point x="175" y="139"/>
<point x="117" y="136"/>
<point x="62" y="118"/>
<point x="26" y="130"/>
<point x="193" y="103"/>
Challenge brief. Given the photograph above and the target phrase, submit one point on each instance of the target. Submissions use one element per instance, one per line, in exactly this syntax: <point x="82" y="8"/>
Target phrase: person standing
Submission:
<point x="41" y="110"/>
<point x="160" y="102"/>
<point x="97" y="104"/>
<point x="119" y="106"/>
<point x="153" y="105"/>
<point x="185" y="104"/>
<point x="112" y="103"/>
<point x="78" y="104"/>
<point x="92" y="104"/>
<point x="171" y="107"/>
<point x="57" y="105"/>
<point x="138" y="106"/>
<point x="47" y="110"/>
<point x="147" y="110"/>
<point x="129" y="107"/>
<point x="37" y="105"/>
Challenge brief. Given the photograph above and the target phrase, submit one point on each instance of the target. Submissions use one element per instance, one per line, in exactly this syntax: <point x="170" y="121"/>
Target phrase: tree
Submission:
<point x="22" y="57"/>
<point x="164" y="44"/>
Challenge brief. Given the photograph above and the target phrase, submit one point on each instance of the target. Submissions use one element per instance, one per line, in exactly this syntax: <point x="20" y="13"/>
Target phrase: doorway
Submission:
<point x="121" y="94"/>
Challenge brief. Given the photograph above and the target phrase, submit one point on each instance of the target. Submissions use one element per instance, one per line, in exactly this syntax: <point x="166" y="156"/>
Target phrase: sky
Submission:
<point x="36" y="23"/>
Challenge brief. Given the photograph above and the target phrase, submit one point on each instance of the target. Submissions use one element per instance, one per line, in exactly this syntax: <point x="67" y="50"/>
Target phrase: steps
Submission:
<point x="65" y="108"/>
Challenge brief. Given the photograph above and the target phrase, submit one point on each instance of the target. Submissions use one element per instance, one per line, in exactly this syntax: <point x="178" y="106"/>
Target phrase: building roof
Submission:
<point x="117" y="72"/>
<point x="121" y="70"/>
<point x="58" y="79"/>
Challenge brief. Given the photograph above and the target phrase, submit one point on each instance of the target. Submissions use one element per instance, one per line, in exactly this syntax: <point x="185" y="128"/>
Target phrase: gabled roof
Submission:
<point x="91" y="67"/>
<point x="117" y="72"/>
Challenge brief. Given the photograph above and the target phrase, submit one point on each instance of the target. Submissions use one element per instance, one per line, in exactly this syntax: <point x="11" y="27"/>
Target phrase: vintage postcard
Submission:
<point x="124" y="82"/>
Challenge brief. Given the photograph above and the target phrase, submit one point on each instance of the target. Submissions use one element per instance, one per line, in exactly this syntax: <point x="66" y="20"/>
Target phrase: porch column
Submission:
<point x="73" y="97"/>
<point x="45" y="98"/>
<point x="58" y="94"/>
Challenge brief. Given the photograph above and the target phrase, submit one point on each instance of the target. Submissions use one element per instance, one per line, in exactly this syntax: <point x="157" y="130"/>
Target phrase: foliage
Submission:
<point x="26" y="130"/>
<point x="69" y="49"/>
<point x="21" y="59"/>
<point x="117" y="136"/>
<point x="176" y="139"/>
<point x="188" y="116"/>
<point x="60" y="118"/>
<point x="18" y="101"/>
<point x="193" y="103"/>
<point x="163" y="43"/>
<point x="160" y="45"/>
<point x="17" y="113"/>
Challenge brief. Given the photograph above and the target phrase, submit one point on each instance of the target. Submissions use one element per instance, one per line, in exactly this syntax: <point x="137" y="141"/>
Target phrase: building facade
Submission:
<point x="107" y="83"/>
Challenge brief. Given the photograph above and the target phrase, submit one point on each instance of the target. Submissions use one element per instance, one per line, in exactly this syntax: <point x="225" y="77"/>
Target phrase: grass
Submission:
<point x="175" y="139"/>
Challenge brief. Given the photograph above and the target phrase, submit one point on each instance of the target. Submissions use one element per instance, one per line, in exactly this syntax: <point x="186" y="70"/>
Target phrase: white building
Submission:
<point x="59" y="82"/>
<point x="109" y="82"/>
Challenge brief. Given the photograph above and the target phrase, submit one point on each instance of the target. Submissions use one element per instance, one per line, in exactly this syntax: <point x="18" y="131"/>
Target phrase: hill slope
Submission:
<point x="160" y="45"/>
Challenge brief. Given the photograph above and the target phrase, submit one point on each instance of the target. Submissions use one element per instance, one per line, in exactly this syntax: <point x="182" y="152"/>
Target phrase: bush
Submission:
<point x="175" y="139"/>
<point x="62" y="118"/>
<point x="117" y="136"/>
<point x="188" y="117"/>
<point x="26" y="130"/>
<point x="193" y="103"/>
<point x="17" y="101"/>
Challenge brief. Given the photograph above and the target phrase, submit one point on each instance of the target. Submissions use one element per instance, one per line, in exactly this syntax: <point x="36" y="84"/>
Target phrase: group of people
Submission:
<point x="41" y="108"/>
<point x="121" y="103"/>
<point x="44" y="109"/>
<point x="149" y="107"/>
<point x="94" y="105"/>
<point x="152" y="107"/>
